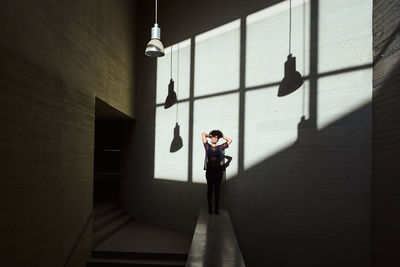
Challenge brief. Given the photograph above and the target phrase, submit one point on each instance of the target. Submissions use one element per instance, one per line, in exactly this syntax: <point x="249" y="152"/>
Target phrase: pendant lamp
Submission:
<point x="155" y="48"/>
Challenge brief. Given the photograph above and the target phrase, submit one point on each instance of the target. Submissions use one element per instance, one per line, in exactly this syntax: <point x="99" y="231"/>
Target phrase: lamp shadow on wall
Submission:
<point x="171" y="97"/>
<point x="177" y="142"/>
<point x="248" y="91"/>
<point x="292" y="81"/>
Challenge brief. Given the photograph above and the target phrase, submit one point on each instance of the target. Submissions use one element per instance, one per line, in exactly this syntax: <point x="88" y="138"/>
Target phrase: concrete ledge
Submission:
<point x="214" y="242"/>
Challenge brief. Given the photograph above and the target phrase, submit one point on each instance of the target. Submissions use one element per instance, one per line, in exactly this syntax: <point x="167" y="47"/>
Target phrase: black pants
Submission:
<point x="214" y="178"/>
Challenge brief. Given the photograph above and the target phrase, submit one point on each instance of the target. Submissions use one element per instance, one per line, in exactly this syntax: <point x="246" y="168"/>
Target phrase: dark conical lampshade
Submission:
<point x="292" y="79"/>
<point x="177" y="142"/>
<point x="171" y="97"/>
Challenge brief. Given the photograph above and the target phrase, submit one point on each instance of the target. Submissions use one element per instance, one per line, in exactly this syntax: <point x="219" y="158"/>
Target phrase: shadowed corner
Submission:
<point x="292" y="79"/>
<point x="177" y="142"/>
<point x="171" y="98"/>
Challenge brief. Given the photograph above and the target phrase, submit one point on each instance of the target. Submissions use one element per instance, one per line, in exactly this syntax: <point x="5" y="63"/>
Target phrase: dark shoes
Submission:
<point x="210" y="210"/>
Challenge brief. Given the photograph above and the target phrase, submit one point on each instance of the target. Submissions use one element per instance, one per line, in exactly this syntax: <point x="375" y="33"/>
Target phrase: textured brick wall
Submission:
<point x="56" y="56"/>
<point x="385" y="240"/>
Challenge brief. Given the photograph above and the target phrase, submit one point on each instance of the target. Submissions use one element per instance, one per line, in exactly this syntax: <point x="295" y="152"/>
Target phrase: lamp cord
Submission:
<point x="290" y="25"/>
<point x="156" y="11"/>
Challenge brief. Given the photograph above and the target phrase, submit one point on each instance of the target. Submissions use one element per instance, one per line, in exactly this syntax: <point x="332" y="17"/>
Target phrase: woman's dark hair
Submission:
<point x="217" y="133"/>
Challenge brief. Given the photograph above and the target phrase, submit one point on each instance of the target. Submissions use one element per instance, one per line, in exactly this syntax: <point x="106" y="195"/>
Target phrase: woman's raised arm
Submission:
<point x="204" y="137"/>
<point x="227" y="139"/>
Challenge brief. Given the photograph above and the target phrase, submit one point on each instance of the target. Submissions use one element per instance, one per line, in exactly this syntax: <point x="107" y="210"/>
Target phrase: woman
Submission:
<point x="214" y="165"/>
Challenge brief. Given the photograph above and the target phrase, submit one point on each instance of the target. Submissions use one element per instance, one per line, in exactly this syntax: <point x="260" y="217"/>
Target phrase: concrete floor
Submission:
<point x="139" y="237"/>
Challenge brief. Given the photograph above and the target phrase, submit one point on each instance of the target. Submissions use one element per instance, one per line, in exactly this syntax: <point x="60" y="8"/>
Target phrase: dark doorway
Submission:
<point x="109" y="123"/>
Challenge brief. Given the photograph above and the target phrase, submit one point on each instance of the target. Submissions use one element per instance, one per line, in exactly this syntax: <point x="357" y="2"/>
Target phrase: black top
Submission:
<point x="215" y="156"/>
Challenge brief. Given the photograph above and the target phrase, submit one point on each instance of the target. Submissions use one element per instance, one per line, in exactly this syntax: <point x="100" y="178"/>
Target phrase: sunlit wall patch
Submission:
<point x="180" y="50"/>
<point x="215" y="113"/>
<point x="217" y="59"/>
<point x="341" y="81"/>
<point x="270" y="123"/>
<point x="171" y="151"/>
<point x="345" y="34"/>
<point x="267" y="42"/>
<point x="171" y="165"/>
<point x="344" y="58"/>
<point x="342" y="94"/>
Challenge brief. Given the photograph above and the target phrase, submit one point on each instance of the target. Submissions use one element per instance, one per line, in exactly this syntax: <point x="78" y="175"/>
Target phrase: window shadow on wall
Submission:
<point x="305" y="202"/>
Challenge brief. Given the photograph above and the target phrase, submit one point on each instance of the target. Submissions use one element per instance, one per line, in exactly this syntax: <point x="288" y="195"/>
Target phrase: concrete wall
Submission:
<point x="298" y="188"/>
<point x="385" y="132"/>
<point x="56" y="57"/>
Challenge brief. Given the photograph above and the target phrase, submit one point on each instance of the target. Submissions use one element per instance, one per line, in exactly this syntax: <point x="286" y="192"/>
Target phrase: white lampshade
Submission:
<point x="155" y="48"/>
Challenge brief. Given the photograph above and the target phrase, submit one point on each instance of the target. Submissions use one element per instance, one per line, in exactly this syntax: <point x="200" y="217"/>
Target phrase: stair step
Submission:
<point x="103" y="221"/>
<point x="106" y="232"/>
<point x="102" y="213"/>
<point x="139" y="255"/>
<point x="98" y="262"/>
